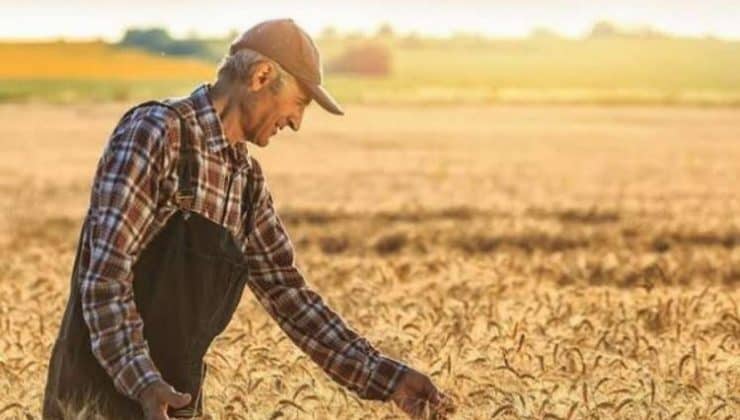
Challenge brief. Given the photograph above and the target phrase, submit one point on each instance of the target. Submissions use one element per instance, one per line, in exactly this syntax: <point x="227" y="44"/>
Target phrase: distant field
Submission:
<point x="90" y="90"/>
<point x="604" y="71"/>
<point x="93" y="60"/>
<point x="537" y="262"/>
<point x="69" y="72"/>
<point x="594" y="70"/>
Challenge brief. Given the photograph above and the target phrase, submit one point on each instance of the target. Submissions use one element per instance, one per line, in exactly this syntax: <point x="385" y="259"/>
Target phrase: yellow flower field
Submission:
<point x="93" y="60"/>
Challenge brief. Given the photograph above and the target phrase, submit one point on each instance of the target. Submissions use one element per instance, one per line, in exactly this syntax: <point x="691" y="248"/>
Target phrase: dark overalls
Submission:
<point x="187" y="284"/>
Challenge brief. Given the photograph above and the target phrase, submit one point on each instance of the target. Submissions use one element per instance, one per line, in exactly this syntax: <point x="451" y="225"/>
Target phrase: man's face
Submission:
<point x="278" y="105"/>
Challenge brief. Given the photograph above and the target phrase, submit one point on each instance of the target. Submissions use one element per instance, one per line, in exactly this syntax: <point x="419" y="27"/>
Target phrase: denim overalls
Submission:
<point x="188" y="282"/>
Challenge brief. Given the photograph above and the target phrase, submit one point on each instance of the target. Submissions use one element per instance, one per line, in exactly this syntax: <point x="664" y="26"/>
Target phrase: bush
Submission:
<point x="159" y="41"/>
<point x="154" y="39"/>
<point x="367" y="59"/>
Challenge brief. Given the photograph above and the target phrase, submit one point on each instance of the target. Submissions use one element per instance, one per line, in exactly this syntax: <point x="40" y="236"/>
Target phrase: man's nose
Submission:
<point x="295" y="123"/>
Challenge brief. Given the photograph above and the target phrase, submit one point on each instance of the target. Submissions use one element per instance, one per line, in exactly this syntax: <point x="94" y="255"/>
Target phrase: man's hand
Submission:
<point x="155" y="399"/>
<point x="419" y="398"/>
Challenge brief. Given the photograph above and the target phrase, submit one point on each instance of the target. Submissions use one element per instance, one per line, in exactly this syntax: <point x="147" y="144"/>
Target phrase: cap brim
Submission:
<point x="320" y="95"/>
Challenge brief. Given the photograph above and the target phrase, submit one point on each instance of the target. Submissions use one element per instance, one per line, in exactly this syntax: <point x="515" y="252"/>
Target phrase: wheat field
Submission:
<point x="537" y="262"/>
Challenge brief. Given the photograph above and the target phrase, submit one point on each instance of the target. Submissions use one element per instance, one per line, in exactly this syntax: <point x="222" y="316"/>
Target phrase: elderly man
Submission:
<point x="180" y="220"/>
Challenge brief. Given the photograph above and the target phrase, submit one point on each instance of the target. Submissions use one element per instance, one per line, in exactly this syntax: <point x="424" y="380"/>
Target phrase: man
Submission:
<point x="180" y="220"/>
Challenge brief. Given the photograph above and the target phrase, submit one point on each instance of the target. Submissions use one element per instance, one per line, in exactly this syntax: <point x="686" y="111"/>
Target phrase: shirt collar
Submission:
<point x="213" y="130"/>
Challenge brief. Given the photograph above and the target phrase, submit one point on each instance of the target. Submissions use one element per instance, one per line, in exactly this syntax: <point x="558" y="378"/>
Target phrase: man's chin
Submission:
<point x="260" y="142"/>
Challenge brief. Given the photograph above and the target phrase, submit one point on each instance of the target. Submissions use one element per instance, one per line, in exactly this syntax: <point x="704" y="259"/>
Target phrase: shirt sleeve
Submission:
<point x="346" y="357"/>
<point x="122" y="209"/>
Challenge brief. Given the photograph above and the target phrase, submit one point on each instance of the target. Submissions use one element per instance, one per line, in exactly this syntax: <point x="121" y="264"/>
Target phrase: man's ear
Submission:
<point x="262" y="74"/>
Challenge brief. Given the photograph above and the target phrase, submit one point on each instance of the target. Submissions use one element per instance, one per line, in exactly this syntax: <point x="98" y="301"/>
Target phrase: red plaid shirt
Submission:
<point x="132" y="199"/>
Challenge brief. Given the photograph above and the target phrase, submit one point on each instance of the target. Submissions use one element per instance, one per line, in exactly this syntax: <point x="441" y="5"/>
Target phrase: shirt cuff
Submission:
<point x="136" y="375"/>
<point x="384" y="379"/>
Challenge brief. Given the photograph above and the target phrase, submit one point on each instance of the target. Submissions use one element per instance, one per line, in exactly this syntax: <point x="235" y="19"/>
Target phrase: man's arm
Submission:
<point x="122" y="209"/>
<point x="345" y="356"/>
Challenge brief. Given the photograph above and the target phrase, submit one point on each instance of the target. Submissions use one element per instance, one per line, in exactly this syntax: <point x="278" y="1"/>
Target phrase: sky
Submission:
<point x="108" y="19"/>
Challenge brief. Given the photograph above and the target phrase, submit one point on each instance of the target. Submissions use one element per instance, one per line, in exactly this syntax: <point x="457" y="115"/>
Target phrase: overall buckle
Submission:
<point x="185" y="201"/>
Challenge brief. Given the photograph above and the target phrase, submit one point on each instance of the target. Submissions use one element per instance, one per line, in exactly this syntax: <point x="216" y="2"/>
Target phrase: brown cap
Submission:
<point x="282" y="41"/>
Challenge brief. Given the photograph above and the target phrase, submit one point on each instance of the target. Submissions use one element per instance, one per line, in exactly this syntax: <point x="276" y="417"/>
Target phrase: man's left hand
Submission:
<point x="417" y="396"/>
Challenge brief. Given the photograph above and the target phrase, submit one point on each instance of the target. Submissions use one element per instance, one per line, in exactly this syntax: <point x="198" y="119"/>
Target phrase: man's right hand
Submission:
<point x="156" y="397"/>
<point x="417" y="396"/>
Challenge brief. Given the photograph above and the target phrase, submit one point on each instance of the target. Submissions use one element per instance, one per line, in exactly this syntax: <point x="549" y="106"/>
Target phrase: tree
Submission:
<point x="412" y="40"/>
<point x="541" y="32"/>
<point x="159" y="41"/>
<point x="604" y="29"/>
<point x="385" y="30"/>
<point x="152" y="39"/>
<point x="370" y="59"/>
<point x="328" y="33"/>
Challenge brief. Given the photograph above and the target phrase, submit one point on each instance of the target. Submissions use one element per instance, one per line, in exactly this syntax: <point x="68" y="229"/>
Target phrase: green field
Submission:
<point x="597" y="70"/>
<point x="73" y="90"/>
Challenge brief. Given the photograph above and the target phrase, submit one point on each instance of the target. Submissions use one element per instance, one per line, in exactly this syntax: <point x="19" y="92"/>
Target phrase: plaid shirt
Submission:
<point x="133" y="197"/>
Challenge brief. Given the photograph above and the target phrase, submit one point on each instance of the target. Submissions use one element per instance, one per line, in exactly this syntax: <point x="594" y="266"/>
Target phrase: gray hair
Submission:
<point x="237" y="67"/>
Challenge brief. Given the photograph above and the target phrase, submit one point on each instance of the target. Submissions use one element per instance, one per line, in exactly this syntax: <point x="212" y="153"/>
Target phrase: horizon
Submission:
<point x="46" y="20"/>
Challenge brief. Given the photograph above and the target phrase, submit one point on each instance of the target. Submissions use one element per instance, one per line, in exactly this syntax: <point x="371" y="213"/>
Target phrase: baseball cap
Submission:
<point x="284" y="42"/>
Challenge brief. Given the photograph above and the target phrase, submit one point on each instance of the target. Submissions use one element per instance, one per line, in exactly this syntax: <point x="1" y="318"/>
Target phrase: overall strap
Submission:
<point x="249" y="200"/>
<point x="187" y="165"/>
